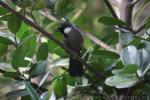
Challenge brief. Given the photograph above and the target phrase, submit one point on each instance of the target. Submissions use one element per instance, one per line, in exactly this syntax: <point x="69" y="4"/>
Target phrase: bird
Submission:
<point x="73" y="39"/>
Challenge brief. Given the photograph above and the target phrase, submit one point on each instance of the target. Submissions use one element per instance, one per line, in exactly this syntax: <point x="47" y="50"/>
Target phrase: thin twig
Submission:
<point x="100" y="75"/>
<point x="100" y="43"/>
<point x="50" y="17"/>
<point x="111" y="8"/>
<point x="32" y="16"/>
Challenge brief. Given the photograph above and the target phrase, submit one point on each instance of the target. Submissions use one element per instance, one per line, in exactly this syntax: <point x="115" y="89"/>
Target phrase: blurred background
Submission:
<point x="83" y="13"/>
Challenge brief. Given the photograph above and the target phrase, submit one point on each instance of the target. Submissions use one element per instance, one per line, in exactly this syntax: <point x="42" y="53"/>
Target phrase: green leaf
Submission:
<point x="144" y="56"/>
<point x="147" y="90"/>
<point x="122" y="81"/>
<point x="117" y="71"/>
<point x="38" y="4"/>
<point x="111" y="38"/>
<point x="5" y="17"/>
<point x="119" y="64"/>
<point x="38" y="68"/>
<point x="3" y="48"/>
<point x="59" y="86"/>
<point x="138" y="37"/>
<point x="130" y="55"/>
<point x="24" y="31"/>
<point x="25" y="97"/>
<point x="50" y="3"/>
<point x="42" y="52"/>
<point x="110" y="21"/>
<point x="26" y="34"/>
<point x="136" y="42"/>
<point x="14" y="23"/>
<point x="63" y="7"/>
<point x="129" y="69"/>
<point x="17" y="93"/>
<point x="22" y="3"/>
<point x="126" y="37"/>
<point x="88" y="44"/>
<point x="3" y="11"/>
<point x="146" y="1"/>
<point x="146" y="45"/>
<point x="31" y="91"/>
<point x="107" y="54"/>
<point x="25" y="49"/>
<point x="12" y="74"/>
<point x="6" y="38"/>
<point x="70" y="80"/>
<point x="54" y="48"/>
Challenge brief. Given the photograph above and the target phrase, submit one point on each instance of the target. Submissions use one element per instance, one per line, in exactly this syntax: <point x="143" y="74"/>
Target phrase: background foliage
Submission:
<point x="32" y="66"/>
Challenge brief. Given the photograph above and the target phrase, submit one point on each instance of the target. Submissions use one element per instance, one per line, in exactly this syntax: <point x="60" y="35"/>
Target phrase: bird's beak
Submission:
<point x="59" y="29"/>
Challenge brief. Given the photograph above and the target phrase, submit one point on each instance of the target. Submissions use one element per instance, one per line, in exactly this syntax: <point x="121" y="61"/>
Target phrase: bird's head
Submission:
<point x="65" y="27"/>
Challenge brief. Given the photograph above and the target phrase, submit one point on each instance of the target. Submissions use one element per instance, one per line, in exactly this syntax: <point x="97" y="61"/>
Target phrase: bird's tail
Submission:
<point x="75" y="67"/>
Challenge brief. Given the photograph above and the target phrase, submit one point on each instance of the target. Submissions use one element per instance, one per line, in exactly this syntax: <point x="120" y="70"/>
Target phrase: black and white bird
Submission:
<point x="73" y="40"/>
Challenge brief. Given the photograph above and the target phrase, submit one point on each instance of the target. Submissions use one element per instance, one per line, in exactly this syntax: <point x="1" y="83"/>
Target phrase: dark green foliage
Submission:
<point x="27" y="55"/>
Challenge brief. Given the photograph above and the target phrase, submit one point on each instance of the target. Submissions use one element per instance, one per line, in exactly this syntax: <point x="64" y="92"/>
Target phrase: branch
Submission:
<point x="100" y="43"/>
<point x="47" y="15"/>
<point x="21" y="79"/>
<point x="50" y="36"/>
<point x="32" y="16"/>
<point x="110" y="8"/>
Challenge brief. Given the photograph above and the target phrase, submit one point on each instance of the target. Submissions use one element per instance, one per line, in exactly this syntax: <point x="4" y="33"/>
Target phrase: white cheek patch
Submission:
<point x="67" y="30"/>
